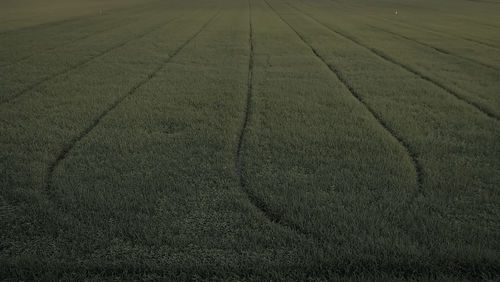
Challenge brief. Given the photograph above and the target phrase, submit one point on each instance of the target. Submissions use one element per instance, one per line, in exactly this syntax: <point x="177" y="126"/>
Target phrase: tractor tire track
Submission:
<point x="460" y="18"/>
<point x="259" y="204"/>
<point x="484" y="24"/>
<point x="412" y="155"/>
<point x="441" y="33"/>
<point x="42" y="25"/>
<point x="115" y="24"/>
<point x="442" y="51"/>
<point x="67" y="149"/>
<point x="428" y="29"/>
<point x="69" y="20"/>
<point x="403" y="66"/>
<point x="84" y="62"/>
<point x="475" y="41"/>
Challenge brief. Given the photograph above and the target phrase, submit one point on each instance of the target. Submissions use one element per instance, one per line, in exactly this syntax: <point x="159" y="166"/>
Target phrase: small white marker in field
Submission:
<point x="396" y="12"/>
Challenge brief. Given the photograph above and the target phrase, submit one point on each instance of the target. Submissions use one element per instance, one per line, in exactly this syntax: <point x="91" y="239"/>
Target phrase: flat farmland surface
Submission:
<point x="17" y="14"/>
<point x="348" y="140"/>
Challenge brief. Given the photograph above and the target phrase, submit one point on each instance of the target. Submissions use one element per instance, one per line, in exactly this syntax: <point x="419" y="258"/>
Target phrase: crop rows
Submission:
<point x="252" y="139"/>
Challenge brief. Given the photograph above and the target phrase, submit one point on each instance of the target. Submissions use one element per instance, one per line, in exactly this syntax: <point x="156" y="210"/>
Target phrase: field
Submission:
<point x="350" y="140"/>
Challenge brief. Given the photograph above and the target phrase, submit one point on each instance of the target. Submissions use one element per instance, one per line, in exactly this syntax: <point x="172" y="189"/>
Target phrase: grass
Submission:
<point x="24" y="15"/>
<point x="251" y="140"/>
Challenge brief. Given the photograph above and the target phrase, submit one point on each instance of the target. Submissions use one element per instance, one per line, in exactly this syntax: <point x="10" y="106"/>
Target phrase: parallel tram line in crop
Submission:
<point x="48" y="24"/>
<point x="435" y="31"/>
<point x="460" y="17"/>
<point x="476" y="41"/>
<point x="67" y="149"/>
<point x="86" y="61"/>
<point x="63" y="21"/>
<point x="429" y="29"/>
<point x="114" y="26"/>
<point x="433" y="47"/>
<point x="483" y="24"/>
<point x="260" y="148"/>
<point x="61" y="45"/>
<point x="438" y="32"/>
<point x="411" y="154"/>
<point x="403" y="66"/>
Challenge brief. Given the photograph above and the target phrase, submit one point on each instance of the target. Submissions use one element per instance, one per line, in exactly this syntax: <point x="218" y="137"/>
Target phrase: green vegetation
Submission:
<point x="251" y="140"/>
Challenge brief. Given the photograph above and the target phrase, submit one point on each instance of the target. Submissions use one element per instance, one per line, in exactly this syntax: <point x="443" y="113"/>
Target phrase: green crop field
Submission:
<point x="351" y="140"/>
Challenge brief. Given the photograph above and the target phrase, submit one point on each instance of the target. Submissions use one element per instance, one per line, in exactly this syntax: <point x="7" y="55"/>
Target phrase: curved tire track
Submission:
<point x="355" y="94"/>
<point x="84" y="62"/>
<point x="67" y="149"/>
<point x="403" y="66"/>
<point x="260" y="205"/>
